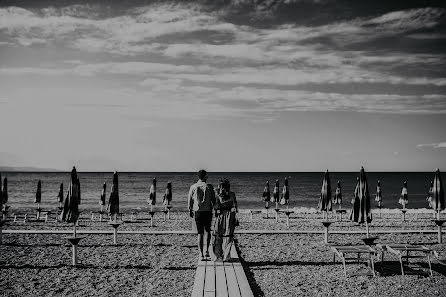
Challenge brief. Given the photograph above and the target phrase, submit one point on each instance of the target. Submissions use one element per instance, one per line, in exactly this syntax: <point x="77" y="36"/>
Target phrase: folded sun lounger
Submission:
<point x="343" y="251"/>
<point x="403" y="251"/>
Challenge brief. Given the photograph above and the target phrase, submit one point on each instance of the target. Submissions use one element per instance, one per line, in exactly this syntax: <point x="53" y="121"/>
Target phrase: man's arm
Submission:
<point x="190" y="199"/>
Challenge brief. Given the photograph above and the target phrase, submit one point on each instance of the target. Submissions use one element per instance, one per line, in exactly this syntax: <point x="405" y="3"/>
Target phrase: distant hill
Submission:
<point x="28" y="169"/>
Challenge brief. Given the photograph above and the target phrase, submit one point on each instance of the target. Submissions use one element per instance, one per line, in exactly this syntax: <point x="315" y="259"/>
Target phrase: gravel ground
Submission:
<point x="164" y="265"/>
<point x="141" y="265"/>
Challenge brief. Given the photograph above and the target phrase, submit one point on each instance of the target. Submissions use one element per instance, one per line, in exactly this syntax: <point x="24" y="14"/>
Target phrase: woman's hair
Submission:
<point x="224" y="184"/>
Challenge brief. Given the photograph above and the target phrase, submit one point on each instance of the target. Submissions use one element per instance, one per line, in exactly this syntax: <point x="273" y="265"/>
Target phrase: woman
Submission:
<point x="225" y="221"/>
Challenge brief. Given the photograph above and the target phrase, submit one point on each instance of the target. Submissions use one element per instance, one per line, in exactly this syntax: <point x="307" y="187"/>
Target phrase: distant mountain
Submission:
<point x="29" y="169"/>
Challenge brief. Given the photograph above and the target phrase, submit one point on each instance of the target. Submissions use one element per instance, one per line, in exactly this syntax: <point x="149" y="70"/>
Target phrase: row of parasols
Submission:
<point x="435" y="196"/>
<point x="74" y="194"/>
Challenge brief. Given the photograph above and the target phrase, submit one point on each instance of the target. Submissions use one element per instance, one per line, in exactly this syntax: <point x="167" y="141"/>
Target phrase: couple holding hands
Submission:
<point x="203" y="200"/>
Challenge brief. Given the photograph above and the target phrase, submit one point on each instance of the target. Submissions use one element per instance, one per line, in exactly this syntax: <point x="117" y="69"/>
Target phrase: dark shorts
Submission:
<point x="203" y="219"/>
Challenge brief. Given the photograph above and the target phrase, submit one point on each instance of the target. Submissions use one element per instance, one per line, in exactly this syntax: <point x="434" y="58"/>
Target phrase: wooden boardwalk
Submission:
<point x="221" y="279"/>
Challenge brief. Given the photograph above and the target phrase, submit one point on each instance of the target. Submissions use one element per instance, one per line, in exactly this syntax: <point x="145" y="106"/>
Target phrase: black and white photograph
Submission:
<point x="222" y="148"/>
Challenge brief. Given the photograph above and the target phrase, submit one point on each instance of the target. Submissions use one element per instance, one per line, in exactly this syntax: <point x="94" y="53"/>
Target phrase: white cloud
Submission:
<point x="435" y="145"/>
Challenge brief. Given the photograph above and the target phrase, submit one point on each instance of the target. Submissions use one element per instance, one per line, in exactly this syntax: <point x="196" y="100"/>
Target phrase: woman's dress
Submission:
<point x="224" y="226"/>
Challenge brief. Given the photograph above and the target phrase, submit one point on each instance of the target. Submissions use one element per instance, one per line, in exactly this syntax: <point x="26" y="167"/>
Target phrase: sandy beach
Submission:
<point x="164" y="265"/>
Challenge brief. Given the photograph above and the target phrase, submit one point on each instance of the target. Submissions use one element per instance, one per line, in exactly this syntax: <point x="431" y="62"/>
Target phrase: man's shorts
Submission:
<point x="203" y="219"/>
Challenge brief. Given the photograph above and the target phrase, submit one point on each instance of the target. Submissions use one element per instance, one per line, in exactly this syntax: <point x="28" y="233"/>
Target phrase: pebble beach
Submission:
<point x="164" y="265"/>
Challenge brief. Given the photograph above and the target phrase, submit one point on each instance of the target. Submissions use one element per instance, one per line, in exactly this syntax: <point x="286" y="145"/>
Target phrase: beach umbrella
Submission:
<point x="4" y="196"/>
<point x="276" y="193"/>
<point x="266" y="193"/>
<point x="361" y="212"/>
<point x="438" y="201"/>
<point x="70" y="212"/>
<point x="1" y="193"/>
<point x="152" y="194"/>
<point x="337" y="199"/>
<point x="438" y="194"/>
<point x="167" y="199"/>
<point x="60" y="195"/>
<point x="102" y="200"/>
<point x="266" y="197"/>
<point x="167" y="194"/>
<point x="38" y="194"/>
<point x="4" y="191"/>
<point x="276" y="197"/>
<point x="378" y="196"/>
<point x="430" y="195"/>
<point x="284" y="200"/>
<point x="404" y="199"/>
<point x="325" y="198"/>
<point x="113" y="203"/>
<point x="79" y="189"/>
<point x="1" y="208"/>
<point x="355" y="202"/>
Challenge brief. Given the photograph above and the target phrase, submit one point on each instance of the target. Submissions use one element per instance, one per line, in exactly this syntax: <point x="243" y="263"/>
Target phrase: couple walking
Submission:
<point x="203" y="200"/>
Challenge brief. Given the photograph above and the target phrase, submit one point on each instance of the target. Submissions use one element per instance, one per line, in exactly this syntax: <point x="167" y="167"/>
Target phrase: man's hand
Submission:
<point x="191" y="213"/>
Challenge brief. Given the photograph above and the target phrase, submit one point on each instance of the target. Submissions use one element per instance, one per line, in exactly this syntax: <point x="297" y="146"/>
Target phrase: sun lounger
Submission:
<point x="20" y="218"/>
<point x="441" y="261"/>
<point x="399" y="249"/>
<point x="343" y="251"/>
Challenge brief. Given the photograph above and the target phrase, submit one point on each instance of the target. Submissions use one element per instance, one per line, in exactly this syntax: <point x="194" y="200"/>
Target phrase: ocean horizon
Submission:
<point x="305" y="188"/>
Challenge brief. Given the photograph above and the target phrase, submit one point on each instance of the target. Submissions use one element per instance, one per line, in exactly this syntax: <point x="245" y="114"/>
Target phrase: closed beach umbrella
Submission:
<point x="438" y="194"/>
<point x="152" y="193"/>
<point x="1" y="198"/>
<point x="404" y="199"/>
<point x="285" y="193"/>
<point x="362" y="210"/>
<point x="113" y="203"/>
<point x="102" y="201"/>
<point x="276" y="192"/>
<point x="168" y="194"/>
<point x="60" y="195"/>
<point x="378" y="196"/>
<point x="325" y="199"/>
<point x="79" y="189"/>
<point x="430" y="194"/>
<point x="38" y="192"/>
<point x="338" y="195"/>
<point x="266" y="193"/>
<point x="355" y="203"/>
<point x="4" y="191"/>
<point x="70" y="213"/>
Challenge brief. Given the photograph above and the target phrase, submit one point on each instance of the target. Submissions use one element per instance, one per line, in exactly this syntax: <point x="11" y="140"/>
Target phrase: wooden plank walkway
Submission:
<point x="221" y="279"/>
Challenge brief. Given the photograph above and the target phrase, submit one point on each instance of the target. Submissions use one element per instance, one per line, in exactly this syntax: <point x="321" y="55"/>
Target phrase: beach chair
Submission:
<point x="20" y="218"/>
<point x="343" y="251"/>
<point x="399" y="249"/>
<point x="441" y="261"/>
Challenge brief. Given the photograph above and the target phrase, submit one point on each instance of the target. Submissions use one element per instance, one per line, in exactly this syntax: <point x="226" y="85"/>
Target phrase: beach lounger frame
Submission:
<point x="343" y="251"/>
<point x="399" y="249"/>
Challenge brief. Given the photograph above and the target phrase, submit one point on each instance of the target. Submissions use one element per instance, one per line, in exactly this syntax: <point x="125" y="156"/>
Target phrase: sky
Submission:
<point x="242" y="85"/>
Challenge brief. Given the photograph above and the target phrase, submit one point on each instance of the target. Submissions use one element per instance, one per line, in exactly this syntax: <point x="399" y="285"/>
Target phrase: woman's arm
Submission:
<point x="235" y="201"/>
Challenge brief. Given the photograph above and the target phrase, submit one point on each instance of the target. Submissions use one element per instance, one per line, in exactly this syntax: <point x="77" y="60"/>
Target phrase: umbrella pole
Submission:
<point x="1" y="232"/>
<point x="74" y="229"/>
<point x="74" y="254"/>
<point x="367" y="227"/>
<point x="266" y="207"/>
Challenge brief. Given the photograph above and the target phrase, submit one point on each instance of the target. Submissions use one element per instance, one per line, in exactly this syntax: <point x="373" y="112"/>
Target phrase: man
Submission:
<point x="201" y="202"/>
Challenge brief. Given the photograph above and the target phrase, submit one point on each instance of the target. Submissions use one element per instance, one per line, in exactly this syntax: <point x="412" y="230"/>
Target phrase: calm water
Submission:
<point x="304" y="187"/>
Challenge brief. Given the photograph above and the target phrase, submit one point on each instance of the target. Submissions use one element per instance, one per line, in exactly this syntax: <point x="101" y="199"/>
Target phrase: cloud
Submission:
<point x="436" y="145"/>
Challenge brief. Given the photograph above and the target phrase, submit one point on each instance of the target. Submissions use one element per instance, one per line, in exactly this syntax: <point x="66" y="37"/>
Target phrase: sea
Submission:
<point x="305" y="188"/>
